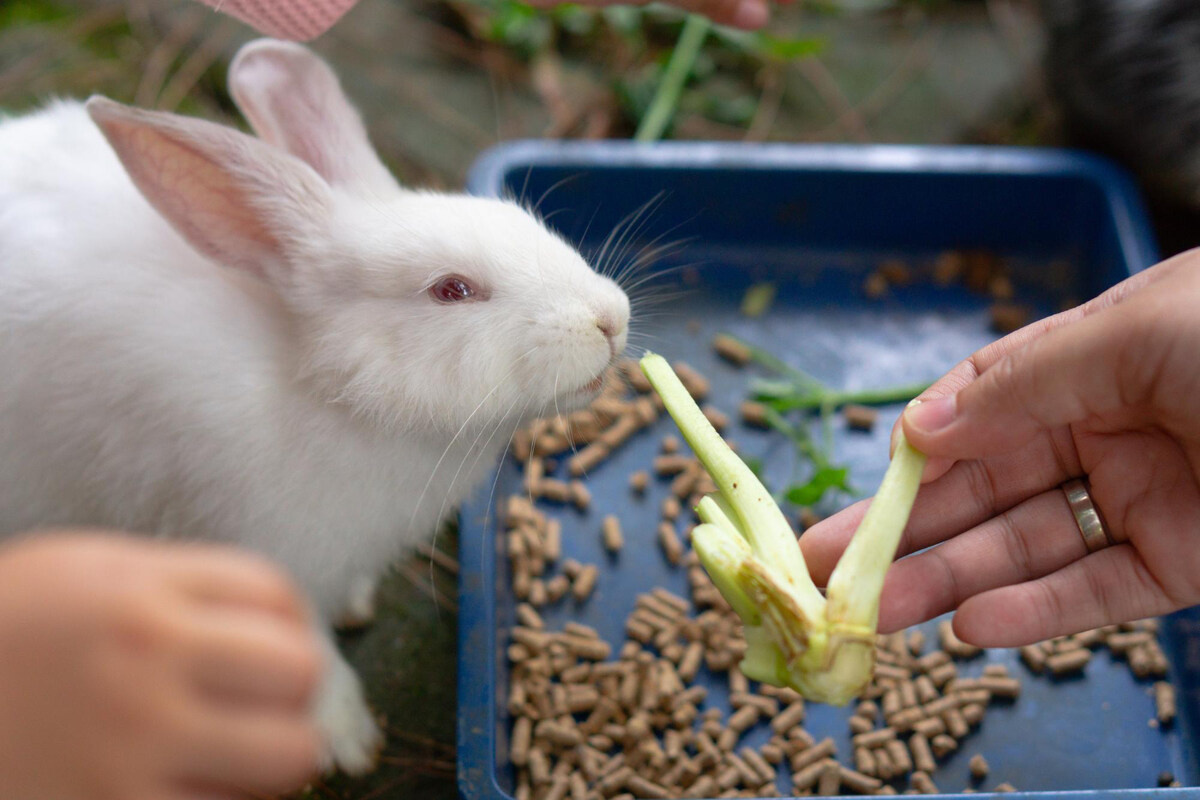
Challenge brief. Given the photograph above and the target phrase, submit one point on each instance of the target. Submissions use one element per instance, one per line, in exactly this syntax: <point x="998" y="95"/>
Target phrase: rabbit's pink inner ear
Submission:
<point x="201" y="201"/>
<point x="233" y="198"/>
<point x="293" y="100"/>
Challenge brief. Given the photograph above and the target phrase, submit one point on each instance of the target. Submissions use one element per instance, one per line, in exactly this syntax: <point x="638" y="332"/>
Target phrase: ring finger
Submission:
<point x="1032" y="539"/>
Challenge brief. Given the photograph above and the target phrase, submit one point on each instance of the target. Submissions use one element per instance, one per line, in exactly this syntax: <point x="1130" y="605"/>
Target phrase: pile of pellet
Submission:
<point x="596" y="725"/>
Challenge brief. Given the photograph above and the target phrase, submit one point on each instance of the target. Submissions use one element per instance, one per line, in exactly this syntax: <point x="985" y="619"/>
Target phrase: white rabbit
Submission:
<point x="269" y="341"/>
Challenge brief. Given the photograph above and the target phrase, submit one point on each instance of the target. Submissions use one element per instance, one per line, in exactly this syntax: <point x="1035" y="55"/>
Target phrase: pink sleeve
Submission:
<point x="299" y="20"/>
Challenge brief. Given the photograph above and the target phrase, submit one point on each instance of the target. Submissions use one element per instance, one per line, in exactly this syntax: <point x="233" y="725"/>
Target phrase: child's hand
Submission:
<point x="135" y="669"/>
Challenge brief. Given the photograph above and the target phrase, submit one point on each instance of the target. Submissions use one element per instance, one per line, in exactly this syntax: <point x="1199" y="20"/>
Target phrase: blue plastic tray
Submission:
<point x="816" y="220"/>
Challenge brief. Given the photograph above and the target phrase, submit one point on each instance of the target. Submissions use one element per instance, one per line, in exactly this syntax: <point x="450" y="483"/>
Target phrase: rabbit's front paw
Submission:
<point x="352" y="739"/>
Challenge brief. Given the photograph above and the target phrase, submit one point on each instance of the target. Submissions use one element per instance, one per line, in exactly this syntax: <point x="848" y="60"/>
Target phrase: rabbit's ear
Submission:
<point x="234" y="198"/>
<point x="293" y="100"/>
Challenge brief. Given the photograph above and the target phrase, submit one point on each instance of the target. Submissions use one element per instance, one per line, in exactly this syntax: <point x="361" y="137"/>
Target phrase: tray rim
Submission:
<point x="476" y="718"/>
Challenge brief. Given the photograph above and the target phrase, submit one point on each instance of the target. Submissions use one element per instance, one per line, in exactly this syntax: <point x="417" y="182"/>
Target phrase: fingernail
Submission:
<point x="750" y="15"/>
<point x="931" y="416"/>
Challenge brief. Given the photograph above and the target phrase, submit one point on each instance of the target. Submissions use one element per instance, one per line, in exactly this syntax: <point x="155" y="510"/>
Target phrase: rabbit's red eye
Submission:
<point x="451" y="290"/>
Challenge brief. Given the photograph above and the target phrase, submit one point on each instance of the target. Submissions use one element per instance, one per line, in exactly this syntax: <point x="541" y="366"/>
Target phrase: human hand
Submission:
<point x="1109" y="390"/>
<point x="143" y="670"/>
<point x="745" y="14"/>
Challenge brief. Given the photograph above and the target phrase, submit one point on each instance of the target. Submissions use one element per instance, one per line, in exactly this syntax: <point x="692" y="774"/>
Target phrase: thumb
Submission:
<point x="1070" y="374"/>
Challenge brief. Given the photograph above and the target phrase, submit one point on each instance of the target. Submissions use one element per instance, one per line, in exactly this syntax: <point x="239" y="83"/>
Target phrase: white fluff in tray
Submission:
<point x="268" y="341"/>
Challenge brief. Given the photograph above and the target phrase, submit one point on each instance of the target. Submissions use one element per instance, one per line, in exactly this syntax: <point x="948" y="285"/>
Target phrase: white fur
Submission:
<point x="306" y="397"/>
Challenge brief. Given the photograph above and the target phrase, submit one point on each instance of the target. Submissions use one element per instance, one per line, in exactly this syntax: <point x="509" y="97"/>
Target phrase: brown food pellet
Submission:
<point x="956" y="724"/>
<point x="898" y="752"/>
<point x="804" y="779"/>
<point x="1069" y="662"/>
<point x="584" y="583"/>
<point x="669" y="541"/>
<point x="875" y="286"/>
<point x="1164" y="702"/>
<point x="717" y="418"/>
<point x="814" y="753"/>
<point x="1034" y="657"/>
<point x="831" y="779"/>
<point x="556" y="587"/>
<point x="1004" y="787"/>
<point x="670" y="509"/>
<point x="943" y="674"/>
<point x="790" y="717"/>
<point x="588" y="458"/>
<point x="923" y="783"/>
<point x="864" y="762"/>
<point x="978" y="766"/>
<point x="874" y="738"/>
<point x="672" y="464"/>
<point x="922" y="755"/>
<point x="1001" y="687"/>
<point x="732" y="350"/>
<point x="581" y="498"/>
<point x="611" y="534"/>
<point x="696" y="384"/>
<point x="860" y="418"/>
<point x="942" y="745"/>
<point x="753" y="414"/>
<point x="1009" y="317"/>
<point x="952" y="644"/>
<point x="930" y="727"/>
<point x="638" y="481"/>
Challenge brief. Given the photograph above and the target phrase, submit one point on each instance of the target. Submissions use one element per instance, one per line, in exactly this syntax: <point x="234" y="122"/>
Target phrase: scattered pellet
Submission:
<point x="952" y="644"/>
<point x="883" y="765"/>
<point x="717" y="418"/>
<point x="943" y="745"/>
<point x="611" y="534"/>
<point x="875" y="286"/>
<point x="860" y="725"/>
<point x="813" y="753"/>
<point x="1164" y="702"/>
<point x="753" y="414"/>
<point x="922" y="754"/>
<point x="860" y="418"/>
<point x="790" y="717"/>
<point x="581" y="498"/>
<point x="1001" y="687"/>
<point x="830" y="780"/>
<point x="556" y="587"/>
<point x="669" y="444"/>
<point x="1034" y="658"/>
<point x="978" y="766"/>
<point x="584" y="583"/>
<point x="956" y="723"/>
<point x="973" y="713"/>
<point x="1004" y="787"/>
<point x="1069" y="662"/>
<point x="696" y="384"/>
<point x="1008" y="317"/>
<point x="731" y="349"/>
<point x="639" y="480"/>
<point x="874" y="738"/>
<point x="923" y="783"/>
<point x="588" y="458"/>
<point x="1121" y="643"/>
<point x="668" y="540"/>
<point x="930" y="727"/>
<point x="898" y="752"/>
<point x="670" y="509"/>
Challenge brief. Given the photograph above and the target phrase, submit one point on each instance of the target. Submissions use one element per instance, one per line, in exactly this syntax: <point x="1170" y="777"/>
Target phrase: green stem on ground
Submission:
<point x="834" y="400"/>
<point x="666" y="97"/>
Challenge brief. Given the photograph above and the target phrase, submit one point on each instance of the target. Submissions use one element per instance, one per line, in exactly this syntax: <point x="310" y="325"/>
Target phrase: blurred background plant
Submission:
<point x="439" y="81"/>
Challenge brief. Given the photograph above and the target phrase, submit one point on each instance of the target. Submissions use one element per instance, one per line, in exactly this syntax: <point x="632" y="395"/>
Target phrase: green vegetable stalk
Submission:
<point x="821" y="646"/>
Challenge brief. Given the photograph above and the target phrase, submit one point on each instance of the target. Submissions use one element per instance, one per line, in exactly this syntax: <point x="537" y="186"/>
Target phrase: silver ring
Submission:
<point x="1087" y="516"/>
